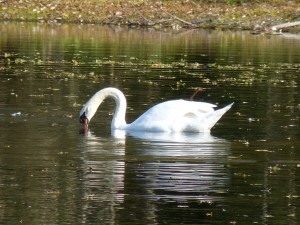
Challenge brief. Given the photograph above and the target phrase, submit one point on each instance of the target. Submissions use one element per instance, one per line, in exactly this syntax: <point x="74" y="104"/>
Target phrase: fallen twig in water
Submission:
<point x="285" y="25"/>
<point x="196" y="92"/>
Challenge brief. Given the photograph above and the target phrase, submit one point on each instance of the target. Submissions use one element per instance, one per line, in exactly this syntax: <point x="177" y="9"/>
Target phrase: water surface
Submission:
<point x="244" y="172"/>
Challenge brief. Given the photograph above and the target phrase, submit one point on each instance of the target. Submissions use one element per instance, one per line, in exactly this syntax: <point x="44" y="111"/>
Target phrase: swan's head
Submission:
<point x="86" y="114"/>
<point x="84" y="120"/>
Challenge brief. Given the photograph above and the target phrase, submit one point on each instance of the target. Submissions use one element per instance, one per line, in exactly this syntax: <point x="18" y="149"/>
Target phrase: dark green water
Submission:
<point x="245" y="172"/>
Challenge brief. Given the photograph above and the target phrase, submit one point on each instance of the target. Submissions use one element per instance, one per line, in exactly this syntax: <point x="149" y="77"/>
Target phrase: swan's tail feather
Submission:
<point x="213" y="117"/>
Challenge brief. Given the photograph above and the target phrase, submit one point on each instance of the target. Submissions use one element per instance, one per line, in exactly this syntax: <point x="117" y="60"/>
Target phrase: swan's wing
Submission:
<point x="172" y="115"/>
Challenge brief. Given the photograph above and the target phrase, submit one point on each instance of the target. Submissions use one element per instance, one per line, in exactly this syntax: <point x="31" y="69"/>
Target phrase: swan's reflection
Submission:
<point x="181" y="166"/>
<point x="103" y="170"/>
<point x="176" y="137"/>
<point x="157" y="166"/>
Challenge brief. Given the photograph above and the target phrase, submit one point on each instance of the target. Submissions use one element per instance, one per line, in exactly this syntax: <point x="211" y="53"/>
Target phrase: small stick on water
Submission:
<point x="196" y="92"/>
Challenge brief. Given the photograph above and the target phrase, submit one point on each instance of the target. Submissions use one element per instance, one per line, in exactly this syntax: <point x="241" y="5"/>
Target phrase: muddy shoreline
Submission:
<point x="156" y="14"/>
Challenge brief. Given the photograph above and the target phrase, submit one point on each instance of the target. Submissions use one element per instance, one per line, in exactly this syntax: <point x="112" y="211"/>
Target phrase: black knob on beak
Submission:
<point x="83" y="119"/>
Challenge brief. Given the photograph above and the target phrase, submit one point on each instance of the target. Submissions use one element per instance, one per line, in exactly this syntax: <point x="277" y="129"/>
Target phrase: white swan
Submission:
<point x="169" y="116"/>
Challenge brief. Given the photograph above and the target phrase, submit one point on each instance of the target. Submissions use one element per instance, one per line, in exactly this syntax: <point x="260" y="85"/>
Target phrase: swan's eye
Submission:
<point x="82" y="118"/>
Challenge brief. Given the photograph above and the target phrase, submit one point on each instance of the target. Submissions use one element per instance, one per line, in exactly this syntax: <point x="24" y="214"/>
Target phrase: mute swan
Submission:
<point x="169" y="116"/>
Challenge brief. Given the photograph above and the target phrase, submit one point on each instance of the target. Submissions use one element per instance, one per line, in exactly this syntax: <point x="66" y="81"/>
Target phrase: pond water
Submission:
<point x="246" y="171"/>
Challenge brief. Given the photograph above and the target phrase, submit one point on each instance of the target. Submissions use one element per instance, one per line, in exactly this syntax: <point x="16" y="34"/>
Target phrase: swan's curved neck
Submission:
<point x="119" y="116"/>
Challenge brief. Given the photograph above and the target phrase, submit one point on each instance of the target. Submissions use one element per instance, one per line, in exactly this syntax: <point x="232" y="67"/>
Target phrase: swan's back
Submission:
<point x="177" y="116"/>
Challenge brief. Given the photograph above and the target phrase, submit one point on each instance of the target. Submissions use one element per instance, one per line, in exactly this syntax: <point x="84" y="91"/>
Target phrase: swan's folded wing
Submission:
<point x="171" y="115"/>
